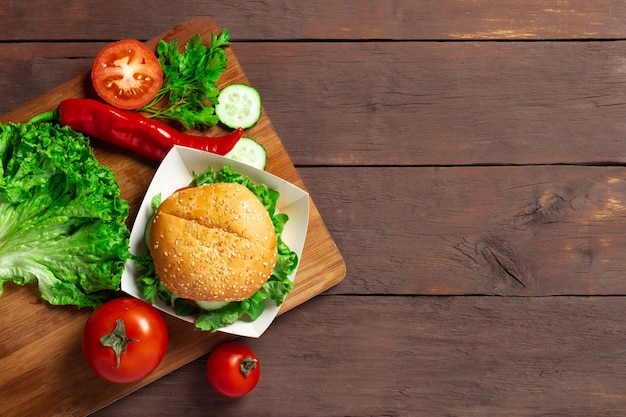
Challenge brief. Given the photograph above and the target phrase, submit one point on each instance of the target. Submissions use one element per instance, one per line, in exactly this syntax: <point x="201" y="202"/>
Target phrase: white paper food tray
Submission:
<point x="176" y="171"/>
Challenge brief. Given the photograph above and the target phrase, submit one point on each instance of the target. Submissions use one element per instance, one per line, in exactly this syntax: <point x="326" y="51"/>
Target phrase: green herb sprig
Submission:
<point x="190" y="81"/>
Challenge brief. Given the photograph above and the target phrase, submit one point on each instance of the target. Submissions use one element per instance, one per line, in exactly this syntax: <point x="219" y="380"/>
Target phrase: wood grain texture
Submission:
<point x="423" y="356"/>
<point x="467" y="103"/>
<point x="528" y="230"/>
<point x="49" y="356"/>
<point x="293" y="19"/>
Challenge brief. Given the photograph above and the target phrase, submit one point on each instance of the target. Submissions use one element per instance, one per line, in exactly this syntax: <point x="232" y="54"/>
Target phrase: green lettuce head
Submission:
<point x="62" y="220"/>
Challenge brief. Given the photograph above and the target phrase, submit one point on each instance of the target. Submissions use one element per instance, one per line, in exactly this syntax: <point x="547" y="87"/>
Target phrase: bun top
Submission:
<point x="213" y="243"/>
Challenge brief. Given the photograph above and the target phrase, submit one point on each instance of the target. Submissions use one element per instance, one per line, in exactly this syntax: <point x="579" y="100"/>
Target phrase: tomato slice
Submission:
<point x="127" y="74"/>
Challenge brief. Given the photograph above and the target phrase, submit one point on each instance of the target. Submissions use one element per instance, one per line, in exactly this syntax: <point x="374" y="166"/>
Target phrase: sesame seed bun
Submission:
<point x="213" y="243"/>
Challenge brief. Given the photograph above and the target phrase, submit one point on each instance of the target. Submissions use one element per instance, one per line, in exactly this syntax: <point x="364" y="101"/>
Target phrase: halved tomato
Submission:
<point x="127" y="74"/>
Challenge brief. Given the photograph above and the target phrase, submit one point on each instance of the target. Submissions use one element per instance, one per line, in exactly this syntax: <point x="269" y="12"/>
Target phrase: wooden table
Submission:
<point x="468" y="159"/>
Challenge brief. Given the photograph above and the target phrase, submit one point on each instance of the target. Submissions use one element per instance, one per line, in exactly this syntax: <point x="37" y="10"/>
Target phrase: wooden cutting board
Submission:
<point x="42" y="369"/>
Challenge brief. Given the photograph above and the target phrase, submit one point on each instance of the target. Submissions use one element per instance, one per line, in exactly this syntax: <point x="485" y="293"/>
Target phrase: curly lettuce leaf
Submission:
<point x="277" y="287"/>
<point x="62" y="221"/>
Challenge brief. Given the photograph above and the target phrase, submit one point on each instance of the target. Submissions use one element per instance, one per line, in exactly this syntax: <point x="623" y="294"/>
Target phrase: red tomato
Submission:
<point x="138" y="329"/>
<point x="127" y="74"/>
<point x="233" y="369"/>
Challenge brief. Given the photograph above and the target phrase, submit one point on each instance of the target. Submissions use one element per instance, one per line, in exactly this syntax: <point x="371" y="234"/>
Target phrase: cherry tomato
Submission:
<point x="233" y="369"/>
<point x="124" y="340"/>
<point x="127" y="74"/>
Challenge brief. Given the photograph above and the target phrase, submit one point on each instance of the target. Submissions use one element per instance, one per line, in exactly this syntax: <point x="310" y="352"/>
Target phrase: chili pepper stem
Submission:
<point x="49" y="116"/>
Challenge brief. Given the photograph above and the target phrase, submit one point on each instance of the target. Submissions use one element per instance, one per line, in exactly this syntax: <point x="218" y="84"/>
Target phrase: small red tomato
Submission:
<point x="233" y="369"/>
<point x="124" y="340"/>
<point x="127" y="74"/>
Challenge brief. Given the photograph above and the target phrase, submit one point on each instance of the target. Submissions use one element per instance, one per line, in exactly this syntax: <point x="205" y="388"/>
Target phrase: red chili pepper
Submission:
<point x="132" y="130"/>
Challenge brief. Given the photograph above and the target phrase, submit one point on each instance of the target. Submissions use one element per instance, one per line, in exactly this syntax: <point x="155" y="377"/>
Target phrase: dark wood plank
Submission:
<point x="347" y="19"/>
<point x="422" y="103"/>
<point x="32" y="69"/>
<point x="430" y="356"/>
<point x="532" y="230"/>
<point x="409" y="103"/>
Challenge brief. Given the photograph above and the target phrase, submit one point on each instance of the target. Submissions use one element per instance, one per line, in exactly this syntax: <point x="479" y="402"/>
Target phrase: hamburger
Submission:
<point x="216" y="250"/>
<point x="213" y="243"/>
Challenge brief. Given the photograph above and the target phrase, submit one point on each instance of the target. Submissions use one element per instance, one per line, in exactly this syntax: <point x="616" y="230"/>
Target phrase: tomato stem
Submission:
<point x="117" y="340"/>
<point x="247" y="364"/>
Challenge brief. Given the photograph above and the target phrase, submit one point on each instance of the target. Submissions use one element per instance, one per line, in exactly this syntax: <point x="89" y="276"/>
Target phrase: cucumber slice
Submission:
<point x="211" y="305"/>
<point x="249" y="151"/>
<point x="239" y="105"/>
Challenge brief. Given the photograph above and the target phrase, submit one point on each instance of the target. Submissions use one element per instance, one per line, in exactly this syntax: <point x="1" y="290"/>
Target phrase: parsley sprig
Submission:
<point x="190" y="81"/>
